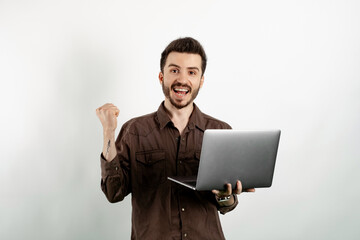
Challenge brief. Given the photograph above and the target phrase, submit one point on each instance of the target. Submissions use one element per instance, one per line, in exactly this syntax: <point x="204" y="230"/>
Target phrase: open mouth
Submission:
<point x="181" y="92"/>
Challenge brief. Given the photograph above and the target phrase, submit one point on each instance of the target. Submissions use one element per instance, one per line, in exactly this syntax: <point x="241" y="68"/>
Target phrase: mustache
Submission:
<point x="177" y="84"/>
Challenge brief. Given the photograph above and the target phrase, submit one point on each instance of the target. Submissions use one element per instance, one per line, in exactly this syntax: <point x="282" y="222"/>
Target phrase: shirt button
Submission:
<point x="185" y="235"/>
<point x="116" y="168"/>
<point x="180" y="162"/>
<point x="183" y="209"/>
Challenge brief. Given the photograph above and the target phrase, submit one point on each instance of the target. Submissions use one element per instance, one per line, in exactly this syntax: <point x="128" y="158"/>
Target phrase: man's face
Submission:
<point x="181" y="79"/>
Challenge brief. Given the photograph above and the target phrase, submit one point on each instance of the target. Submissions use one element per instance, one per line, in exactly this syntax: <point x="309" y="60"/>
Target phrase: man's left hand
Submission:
<point x="228" y="192"/>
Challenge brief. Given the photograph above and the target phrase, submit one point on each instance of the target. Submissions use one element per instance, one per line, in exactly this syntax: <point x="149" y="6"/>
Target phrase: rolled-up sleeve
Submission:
<point x="226" y="209"/>
<point x="109" y="168"/>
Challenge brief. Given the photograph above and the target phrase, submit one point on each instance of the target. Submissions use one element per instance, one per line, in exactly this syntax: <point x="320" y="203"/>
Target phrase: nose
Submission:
<point x="182" y="77"/>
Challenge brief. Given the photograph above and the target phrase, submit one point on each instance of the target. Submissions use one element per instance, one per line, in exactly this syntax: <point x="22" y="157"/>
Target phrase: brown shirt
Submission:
<point x="149" y="149"/>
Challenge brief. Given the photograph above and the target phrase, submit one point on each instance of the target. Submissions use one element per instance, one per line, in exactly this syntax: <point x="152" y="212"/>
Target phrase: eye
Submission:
<point x="174" y="70"/>
<point x="192" y="72"/>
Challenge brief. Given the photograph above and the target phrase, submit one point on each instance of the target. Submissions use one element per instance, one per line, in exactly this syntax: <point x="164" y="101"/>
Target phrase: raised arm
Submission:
<point x="108" y="114"/>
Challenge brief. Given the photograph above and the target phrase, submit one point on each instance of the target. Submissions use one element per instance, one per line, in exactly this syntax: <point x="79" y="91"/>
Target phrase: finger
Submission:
<point x="227" y="192"/>
<point x="238" y="189"/>
<point x="110" y="110"/>
<point x="117" y="111"/>
<point x="219" y="193"/>
<point x="113" y="110"/>
<point x="106" y="106"/>
<point x="99" y="111"/>
<point x="250" y="190"/>
<point x="216" y="192"/>
<point x="228" y="189"/>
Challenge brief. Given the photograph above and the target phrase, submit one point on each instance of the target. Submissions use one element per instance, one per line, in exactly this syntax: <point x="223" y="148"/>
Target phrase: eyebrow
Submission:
<point x="174" y="65"/>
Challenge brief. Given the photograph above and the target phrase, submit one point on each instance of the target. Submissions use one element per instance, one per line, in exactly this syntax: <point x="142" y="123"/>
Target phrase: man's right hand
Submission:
<point x="107" y="115"/>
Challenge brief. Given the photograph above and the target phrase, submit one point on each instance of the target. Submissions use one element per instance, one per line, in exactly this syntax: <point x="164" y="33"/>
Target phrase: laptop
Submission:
<point x="231" y="155"/>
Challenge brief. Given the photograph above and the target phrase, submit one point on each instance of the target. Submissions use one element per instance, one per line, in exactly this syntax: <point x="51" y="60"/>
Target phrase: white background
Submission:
<point x="292" y="65"/>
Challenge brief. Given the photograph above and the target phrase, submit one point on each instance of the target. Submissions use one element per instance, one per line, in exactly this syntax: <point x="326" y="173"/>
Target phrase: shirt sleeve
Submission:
<point x="109" y="168"/>
<point x="225" y="209"/>
<point x="115" y="175"/>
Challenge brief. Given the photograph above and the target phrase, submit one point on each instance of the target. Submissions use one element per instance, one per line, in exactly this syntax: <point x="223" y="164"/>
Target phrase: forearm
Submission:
<point x="109" y="149"/>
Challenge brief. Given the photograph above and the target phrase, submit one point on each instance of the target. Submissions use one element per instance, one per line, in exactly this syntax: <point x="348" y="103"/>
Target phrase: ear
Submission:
<point x="201" y="81"/>
<point x="161" y="77"/>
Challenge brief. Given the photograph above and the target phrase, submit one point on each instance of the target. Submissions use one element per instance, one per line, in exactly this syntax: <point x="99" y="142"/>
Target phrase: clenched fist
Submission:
<point x="107" y="115"/>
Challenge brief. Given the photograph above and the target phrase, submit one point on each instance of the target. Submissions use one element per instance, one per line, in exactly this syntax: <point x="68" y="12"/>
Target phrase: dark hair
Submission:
<point x="184" y="45"/>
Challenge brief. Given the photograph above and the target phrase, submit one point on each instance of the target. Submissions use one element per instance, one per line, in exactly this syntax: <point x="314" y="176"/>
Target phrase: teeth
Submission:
<point x="181" y="90"/>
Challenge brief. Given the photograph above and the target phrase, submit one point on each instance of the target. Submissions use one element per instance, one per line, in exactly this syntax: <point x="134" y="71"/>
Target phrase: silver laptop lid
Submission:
<point x="229" y="155"/>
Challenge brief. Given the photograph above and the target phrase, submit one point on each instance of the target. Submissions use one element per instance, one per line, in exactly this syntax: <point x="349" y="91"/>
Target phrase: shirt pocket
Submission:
<point x="189" y="164"/>
<point x="151" y="168"/>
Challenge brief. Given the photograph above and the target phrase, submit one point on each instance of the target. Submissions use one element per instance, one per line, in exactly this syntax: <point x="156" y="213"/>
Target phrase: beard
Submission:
<point x="193" y="93"/>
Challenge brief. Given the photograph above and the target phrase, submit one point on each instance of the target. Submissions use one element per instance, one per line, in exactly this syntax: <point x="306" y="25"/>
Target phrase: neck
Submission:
<point x="180" y="117"/>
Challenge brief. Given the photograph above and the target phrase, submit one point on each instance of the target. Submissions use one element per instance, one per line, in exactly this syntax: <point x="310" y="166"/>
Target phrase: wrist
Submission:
<point x="230" y="200"/>
<point x="223" y="199"/>
<point x="109" y="134"/>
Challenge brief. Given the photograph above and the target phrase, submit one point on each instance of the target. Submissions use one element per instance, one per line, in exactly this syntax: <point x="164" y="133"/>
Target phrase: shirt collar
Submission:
<point x="196" y="118"/>
<point x="162" y="117"/>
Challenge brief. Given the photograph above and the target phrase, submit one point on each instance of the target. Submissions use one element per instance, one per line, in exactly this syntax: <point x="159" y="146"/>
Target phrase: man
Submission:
<point x="166" y="143"/>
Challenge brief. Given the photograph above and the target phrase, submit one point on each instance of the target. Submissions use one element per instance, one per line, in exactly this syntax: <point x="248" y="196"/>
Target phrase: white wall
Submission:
<point x="292" y="65"/>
